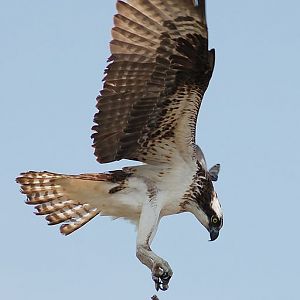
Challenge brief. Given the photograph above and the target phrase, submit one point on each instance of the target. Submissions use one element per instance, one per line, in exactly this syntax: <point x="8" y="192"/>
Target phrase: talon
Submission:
<point x="162" y="281"/>
<point x="156" y="281"/>
<point x="165" y="277"/>
<point x="157" y="286"/>
<point x="164" y="287"/>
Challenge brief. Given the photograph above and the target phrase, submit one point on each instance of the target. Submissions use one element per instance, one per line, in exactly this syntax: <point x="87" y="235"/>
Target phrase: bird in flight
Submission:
<point x="159" y="69"/>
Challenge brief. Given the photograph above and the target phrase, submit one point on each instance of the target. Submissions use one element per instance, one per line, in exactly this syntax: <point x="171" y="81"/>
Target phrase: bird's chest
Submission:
<point x="171" y="191"/>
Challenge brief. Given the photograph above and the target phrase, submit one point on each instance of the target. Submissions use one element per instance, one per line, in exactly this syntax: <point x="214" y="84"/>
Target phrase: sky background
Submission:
<point x="52" y="57"/>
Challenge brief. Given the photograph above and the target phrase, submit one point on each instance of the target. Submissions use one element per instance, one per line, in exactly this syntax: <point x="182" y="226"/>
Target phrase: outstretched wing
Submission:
<point x="159" y="70"/>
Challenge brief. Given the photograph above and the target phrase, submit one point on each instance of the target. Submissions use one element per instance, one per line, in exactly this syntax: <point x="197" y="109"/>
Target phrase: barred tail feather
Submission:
<point x="49" y="192"/>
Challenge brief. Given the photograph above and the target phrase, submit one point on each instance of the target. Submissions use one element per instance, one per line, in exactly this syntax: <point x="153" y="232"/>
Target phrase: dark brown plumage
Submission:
<point x="158" y="72"/>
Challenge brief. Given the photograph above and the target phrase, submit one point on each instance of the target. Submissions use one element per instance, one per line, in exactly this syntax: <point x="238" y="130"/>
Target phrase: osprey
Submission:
<point x="158" y="71"/>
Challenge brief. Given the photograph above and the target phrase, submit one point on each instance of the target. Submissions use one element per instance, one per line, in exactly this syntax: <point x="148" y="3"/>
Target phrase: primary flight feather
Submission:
<point x="159" y="69"/>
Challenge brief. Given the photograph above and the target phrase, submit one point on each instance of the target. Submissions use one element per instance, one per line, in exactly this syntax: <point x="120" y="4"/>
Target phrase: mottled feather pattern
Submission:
<point x="44" y="191"/>
<point x="201" y="191"/>
<point x="159" y="69"/>
<point x="159" y="50"/>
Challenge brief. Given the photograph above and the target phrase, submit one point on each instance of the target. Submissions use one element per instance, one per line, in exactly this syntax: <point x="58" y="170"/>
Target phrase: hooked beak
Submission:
<point x="214" y="233"/>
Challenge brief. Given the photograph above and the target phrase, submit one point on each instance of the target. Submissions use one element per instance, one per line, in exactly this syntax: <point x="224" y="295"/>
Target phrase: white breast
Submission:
<point x="171" y="183"/>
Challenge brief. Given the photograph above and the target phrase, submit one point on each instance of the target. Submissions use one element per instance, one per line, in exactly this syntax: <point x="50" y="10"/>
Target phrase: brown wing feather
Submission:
<point x="159" y="70"/>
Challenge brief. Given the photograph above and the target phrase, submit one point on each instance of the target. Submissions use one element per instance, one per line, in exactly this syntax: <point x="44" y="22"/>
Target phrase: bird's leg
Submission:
<point x="161" y="271"/>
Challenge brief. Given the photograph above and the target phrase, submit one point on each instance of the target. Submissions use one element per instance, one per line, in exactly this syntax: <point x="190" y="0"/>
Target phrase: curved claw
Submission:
<point x="161" y="282"/>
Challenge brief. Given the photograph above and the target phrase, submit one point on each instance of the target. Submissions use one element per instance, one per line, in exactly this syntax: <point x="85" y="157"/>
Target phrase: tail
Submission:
<point x="63" y="198"/>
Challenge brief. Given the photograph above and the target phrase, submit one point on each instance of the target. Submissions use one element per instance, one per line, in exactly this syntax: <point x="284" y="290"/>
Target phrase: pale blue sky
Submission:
<point x="52" y="56"/>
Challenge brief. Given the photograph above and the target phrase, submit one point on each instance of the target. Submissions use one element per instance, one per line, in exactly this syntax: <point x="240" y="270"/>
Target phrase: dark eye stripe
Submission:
<point x="215" y="221"/>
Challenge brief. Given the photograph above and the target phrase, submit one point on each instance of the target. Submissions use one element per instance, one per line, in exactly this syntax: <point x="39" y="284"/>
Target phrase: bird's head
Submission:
<point x="214" y="221"/>
<point x="206" y="207"/>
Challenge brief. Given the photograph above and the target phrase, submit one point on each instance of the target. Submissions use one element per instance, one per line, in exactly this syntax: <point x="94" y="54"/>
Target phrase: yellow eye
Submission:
<point x="215" y="220"/>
